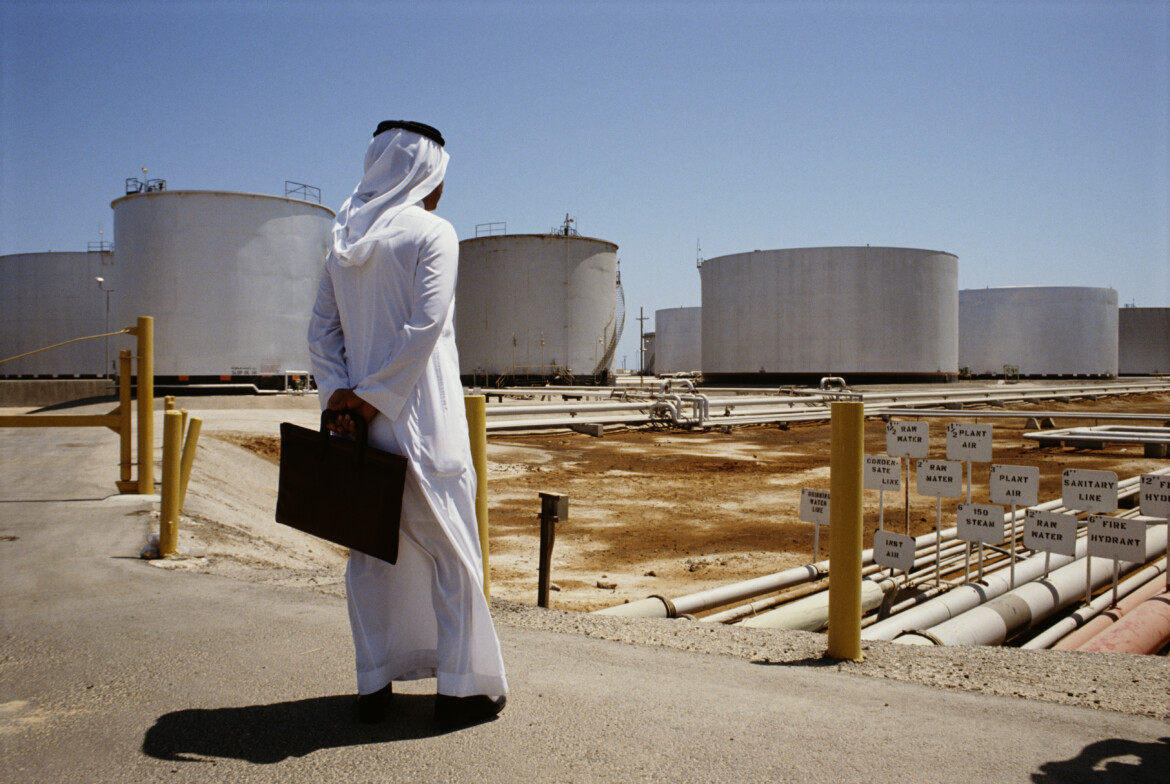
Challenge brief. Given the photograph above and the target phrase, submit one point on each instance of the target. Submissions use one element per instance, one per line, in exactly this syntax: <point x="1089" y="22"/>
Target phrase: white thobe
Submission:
<point x="384" y="327"/>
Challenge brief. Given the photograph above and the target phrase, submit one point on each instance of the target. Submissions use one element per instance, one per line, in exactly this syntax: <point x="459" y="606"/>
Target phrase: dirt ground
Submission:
<point x="671" y="513"/>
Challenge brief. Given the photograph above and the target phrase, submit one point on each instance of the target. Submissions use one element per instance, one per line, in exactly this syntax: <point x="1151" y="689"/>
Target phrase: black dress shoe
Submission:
<point x="372" y="708"/>
<point x="461" y="711"/>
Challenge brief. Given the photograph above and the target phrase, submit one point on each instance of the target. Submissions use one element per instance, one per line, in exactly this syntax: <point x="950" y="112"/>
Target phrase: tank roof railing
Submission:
<point x="300" y="190"/>
<point x="135" y="185"/>
<point x="491" y="229"/>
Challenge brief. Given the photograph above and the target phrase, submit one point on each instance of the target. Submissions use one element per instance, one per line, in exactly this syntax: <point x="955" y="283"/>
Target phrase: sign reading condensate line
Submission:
<point x="1119" y="538"/>
<point x="1016" y="485"/>
<point x="893" y="551"/>
<point x="969" y="442"/>
<point x="814" y="506"/>
<point x="942" y="478"/>
<point x="1050" y="532"/>
<point x="882" y="473"/>
<point x="908" y="439"/>
<point x="980" y="523"/>
<point x="1156" y="496"/>
<point x="1088" y="491"/>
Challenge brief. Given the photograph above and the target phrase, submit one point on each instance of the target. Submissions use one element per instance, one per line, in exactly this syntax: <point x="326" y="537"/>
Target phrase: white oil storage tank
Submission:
<point x="678" y="340"/>
<point x="230" y="279"/>
<point x="863" y="313"/>
<point x="531" y="308"/>
<point x="47" y="299"/>
<point x="1143" y="341"/>
<point x="1038" y="331"/>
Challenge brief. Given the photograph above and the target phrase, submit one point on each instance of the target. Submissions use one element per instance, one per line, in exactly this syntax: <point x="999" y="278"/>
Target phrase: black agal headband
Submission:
<point x="416" y="127"/>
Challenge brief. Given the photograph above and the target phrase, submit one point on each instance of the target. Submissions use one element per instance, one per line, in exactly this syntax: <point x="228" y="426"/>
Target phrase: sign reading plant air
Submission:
<point x="1089" y="491"/>
<point x="1015" y="485"/>
<point x="882" y="473"/>
<point x="1119" y="538"/>
<point x="814" y="508"/>
<point x="908" y="439"/>
<point x="1050" y="532"/>
<point x="980" y="523"/>
<point x="1155" y="500"/>
<point x="971" y="443"/>
<point x="940" y="478"/>
<point x="893" y="551"/>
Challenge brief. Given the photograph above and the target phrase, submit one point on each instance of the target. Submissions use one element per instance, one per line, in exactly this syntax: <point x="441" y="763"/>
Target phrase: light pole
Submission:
<point x="101" y="285"/>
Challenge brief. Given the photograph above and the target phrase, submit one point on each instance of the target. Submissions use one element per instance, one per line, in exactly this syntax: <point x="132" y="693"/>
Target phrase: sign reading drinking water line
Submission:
<point x="908" y="439"/>
<point x="942" y="478"/>
<point x="979" y="523"/>
<point x="893" y="551"/>
<point x="969" y="442"/>
<point x="1016" y="485"/>
<point x="1088" y="491"/>
<point x="814" y="506"/>
<point x="1050" y="532"/>
<point x="1119" y="538"/>
<point x="882" y="473"/>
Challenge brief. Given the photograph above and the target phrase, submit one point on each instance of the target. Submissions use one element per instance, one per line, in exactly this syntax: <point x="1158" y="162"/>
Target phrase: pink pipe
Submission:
<point x="1074" y="640"/>
<point x="1145" y="630"/>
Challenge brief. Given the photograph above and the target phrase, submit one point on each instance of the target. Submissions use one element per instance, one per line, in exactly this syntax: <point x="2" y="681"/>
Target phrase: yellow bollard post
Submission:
<point x="145" y="333"/>
<point x="168" y="515"/>
<point x="189" y="443"/>
<point x="476" y="406"/>
<point x="845" y="529"/>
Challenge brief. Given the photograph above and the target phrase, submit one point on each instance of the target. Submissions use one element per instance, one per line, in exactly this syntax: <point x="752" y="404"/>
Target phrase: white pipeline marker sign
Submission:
<point x="1050" y="532"/>
<point x="814" y="506"/>
<point x="1119" y="538"/>
<point x="941" y="478"/>
<point x="908" y="439"/>
<point x="1014" y="485"/>
<point x="1089" y="491"/>
<point x="1155" y="497"/>
<point x="893" y="551"/>
<point x="969" y="442"/>
<point x="882" y="473"/>
<point x="980" y="523"/>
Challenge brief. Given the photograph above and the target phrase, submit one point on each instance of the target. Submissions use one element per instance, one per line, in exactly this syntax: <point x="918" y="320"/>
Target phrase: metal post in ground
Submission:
<point x="847" y="448"/>
<point x="553" y="508"/>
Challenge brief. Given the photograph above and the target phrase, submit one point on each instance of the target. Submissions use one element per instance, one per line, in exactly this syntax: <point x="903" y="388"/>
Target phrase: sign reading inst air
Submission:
<point x="1089" y="491"/>
<point x="893" y="551"/>
<point x="942" y="478"/>
<point x="1015" y="485"/>
<point x="908" y="439"/>
<point x="882" y="473"/>
<point x="1156" y="496"/>
<point x="969" y="442"/>
<point x="979" y="523"/>
<point x="814" y="506"/>
<point x="1050" y="532"/>
<point x="1119" y="538"/>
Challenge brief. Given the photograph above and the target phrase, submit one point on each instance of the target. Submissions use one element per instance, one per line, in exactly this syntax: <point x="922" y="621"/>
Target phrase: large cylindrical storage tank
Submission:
<point x="536" y="307"/>
<point x="1038" y="331"/>
<point x="1143" y="341"/>
<point x="798" y="315"/>
<point x="230" y="279"/>
<point x="678" y="340"/>
<point x="50" y="298"/>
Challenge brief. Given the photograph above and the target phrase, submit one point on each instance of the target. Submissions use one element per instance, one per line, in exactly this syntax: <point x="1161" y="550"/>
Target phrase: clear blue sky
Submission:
<point x="1028" y="138"/>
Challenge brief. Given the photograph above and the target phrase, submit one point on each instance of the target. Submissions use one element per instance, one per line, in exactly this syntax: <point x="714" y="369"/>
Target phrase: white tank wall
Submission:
<point x="1143" y="344"/>
<point x="678" y="340"/>
<point x="526" y="302"/>
<point x="1044" y="330"/>
<point x="230" y="278"/>
<point x="838" y="310"/>
<point x="48" y="298"/>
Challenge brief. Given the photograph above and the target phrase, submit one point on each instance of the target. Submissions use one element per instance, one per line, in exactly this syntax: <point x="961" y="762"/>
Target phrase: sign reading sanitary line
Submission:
<point x="1119" y="538"/>
<point x="814" y="506"/>
<point x="969" y="442"/>
<point x="1050" y="532"/>
<point x="1015" y="485"/>
<point x="980" y="523"/>
<point x="893" y="551"/>
<point x="882" y="473"/>
<point x="908" y="439"/>
<point x="1156" y="495"/>
<point x="1089" y="491"/>
<point x="942" y="478"/>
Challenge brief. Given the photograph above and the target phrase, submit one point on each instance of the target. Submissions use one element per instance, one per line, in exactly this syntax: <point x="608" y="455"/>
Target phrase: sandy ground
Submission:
<point x="651" y="511"/>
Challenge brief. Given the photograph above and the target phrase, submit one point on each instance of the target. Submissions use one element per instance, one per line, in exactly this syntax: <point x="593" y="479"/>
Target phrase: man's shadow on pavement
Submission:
<point x="266" y="734"/>
<point x="1113" y="761"/>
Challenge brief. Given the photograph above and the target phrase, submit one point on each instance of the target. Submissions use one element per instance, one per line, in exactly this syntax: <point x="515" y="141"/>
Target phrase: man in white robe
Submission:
<point x="383" y="347"/>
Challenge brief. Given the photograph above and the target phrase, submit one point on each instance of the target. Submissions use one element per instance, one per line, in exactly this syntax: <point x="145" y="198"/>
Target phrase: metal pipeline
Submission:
<point x="1145" y="630"/>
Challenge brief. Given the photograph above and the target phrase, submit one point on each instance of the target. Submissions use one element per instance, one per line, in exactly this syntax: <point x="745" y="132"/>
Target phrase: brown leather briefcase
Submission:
<point x="341" y="489"/>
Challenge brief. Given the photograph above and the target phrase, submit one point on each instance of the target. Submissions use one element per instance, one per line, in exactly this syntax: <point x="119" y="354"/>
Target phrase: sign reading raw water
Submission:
<point x="969" y="442"/>
<point x="942" y="478"/>
<point x="1015" y="485"/>
<point x="1049" y="532"/>
<point x="814" y="506"/>
<point x="908" y="439"/>
<point x="1089" y="491"/>
<point x="979" y="523"/>
<point x="882" y="473"/>
<point x="1119" y="538"/>
<point x="1156" y="495"/>
<point x="893" y="551"/>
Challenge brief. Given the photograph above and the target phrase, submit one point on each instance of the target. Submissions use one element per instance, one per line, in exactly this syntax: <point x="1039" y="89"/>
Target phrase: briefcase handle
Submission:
<point x="361" y="435"/>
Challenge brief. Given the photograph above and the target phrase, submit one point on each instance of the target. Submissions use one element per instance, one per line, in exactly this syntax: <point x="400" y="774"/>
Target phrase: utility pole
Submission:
<point x="641" y="343"/>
